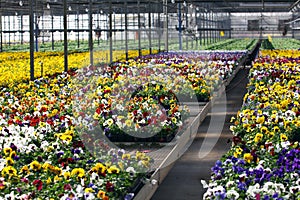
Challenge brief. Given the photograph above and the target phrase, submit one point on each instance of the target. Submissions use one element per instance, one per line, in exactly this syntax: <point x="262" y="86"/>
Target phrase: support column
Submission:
<point x="186" y="24"/>
<point x="126" y="30"/>
<point x="139" y="28"/>
<point x="36" y="34"/>
<point x="78" y="33"/>
<point x="179" y="26"/>
<point x="159" y="32"/>
<point x="166" y="31"/>
<point x="21" y="28"/>
<point x="65" y="37"/>
<point x="8" y="30"/>
<point x="52" y="31"/>
<point x="31" y="30"/>
<point x="149" y="26"/>
<point x="110" y="32"/>
<point x="210" y="26"/>
<point x="91" y="32"/>
<point x="1" y="31"/>
<point x="200" y="32"/>
<point x="229" y="20"/>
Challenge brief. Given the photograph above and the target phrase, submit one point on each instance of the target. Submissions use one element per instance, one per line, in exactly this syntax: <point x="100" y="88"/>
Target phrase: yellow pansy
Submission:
<point x="67" y="175"/>
<point x="113" y="170"/>
<point x="248" y="157"/>
<point x="98" y="168"/>
<point x="57" y="179"/>
<point x="258" y="137"/>
<point x="89" y="190"/>
<point x="25" y="169"/>
<point x="284" y="103"/>
<point x="35" y="165"/>
<point x="276" y="129"/>
<point x="109" y="122"/>
<point x="7" y="151"/>
<point x="128" y="123"/>
<point x="260" y="119"/>
<point x="67" y="138"/>
<point x="9" y="161"/>
<point x="238" y="151"/>
<point x="78" y="172"/>
<point x="10" y="171"/>
<point x="283" y="137"/>
<point x="264" y="130"/>
<point x="126" y="156"/>
<point x="48" y="181"/>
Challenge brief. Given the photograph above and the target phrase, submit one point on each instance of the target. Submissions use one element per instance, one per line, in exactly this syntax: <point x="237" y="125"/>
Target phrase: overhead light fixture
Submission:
<point x="16" y="13"/>
<point x="70" y="8"/>
<point x="172" y="1"/>
<point x="86" y="10"/>
<point x="48" y="5"/>
<point x="101" y="11"/>
<point x="191" y="6"/>
<point x="21" y="3"/>
<point x="184" y="3"/>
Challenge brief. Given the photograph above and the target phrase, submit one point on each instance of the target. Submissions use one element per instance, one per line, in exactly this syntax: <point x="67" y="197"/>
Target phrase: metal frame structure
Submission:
<point x="125" y="24"/>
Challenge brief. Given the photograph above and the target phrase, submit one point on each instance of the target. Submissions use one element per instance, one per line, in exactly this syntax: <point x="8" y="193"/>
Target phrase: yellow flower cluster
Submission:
<point x="48" y="63"/>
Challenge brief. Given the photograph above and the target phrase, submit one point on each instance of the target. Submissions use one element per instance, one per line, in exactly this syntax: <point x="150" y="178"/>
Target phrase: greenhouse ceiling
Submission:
<point x="55" y="7"/>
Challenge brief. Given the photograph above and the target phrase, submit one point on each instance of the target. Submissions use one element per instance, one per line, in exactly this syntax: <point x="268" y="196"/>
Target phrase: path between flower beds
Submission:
<point x="184" y="179"/>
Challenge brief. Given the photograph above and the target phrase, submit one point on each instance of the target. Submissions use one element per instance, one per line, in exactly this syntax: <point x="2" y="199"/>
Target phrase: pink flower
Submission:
<point x="25" y="180"/>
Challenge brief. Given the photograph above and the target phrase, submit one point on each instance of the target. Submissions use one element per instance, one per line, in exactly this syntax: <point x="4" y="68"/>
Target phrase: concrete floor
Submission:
<point x="184" y="180"/>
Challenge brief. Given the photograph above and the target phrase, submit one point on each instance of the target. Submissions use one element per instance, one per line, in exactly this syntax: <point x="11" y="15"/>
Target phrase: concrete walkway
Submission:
<point x="184" y="180"/>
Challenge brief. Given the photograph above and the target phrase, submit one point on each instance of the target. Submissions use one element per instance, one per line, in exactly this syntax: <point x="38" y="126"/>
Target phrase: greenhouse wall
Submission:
<point x="268" y="24"/>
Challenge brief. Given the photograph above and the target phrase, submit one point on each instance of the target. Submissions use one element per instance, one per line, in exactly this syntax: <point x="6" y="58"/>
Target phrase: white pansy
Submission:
<point x="94" y="176"/>
<point x="44" y="145"/>
<point x="253" y="190"/>
<point x="232" y="194"/>
<point x="130" y="170"/>
<point x="208" y="195"/>
<point x="294" y="189"/>
<point x="204" y="184"/>
<point x="179" y="123"/>
<point x="120" y="107"/>
<point x="90" y="196"/>
<point x="285" y="144"/>
<point x="294" y="175"/>
<point x="230" y="184"/>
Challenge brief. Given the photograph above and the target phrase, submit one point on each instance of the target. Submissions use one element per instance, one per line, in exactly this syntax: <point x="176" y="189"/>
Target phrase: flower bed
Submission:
<point x="233" y="44"/>
<point x="42" y="155"/>
<point x="205" y="70"/>
<point x="285" y="43"/>
<point x="263" y="162"/>
<point x="141" y="100"/>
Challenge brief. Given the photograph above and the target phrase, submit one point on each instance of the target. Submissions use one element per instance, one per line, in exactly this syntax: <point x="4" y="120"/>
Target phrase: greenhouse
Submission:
<point x="159" y="99"/>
